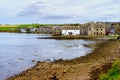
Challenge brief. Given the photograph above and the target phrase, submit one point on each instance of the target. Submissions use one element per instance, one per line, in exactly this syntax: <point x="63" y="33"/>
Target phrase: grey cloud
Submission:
<point x="108" y="5"/>
<point x="34" y="9"/>
<point x="59" y="17"/>
<point x="104" y="17"/>
<point x="95" y="12"/>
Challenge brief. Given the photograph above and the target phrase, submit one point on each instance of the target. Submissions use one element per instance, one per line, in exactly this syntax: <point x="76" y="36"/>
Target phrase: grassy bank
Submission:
<point x="113" y="73"/>
<point x="84" y="68"/>
<point x="8" y="28"/>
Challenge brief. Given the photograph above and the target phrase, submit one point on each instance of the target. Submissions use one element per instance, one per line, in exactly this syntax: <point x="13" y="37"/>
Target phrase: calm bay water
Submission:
<point x="18" y="50"/>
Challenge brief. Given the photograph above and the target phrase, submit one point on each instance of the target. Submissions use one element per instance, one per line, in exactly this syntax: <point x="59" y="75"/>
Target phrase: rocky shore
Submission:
<point x="84" y="68"/>
<point x="67" y="37"/>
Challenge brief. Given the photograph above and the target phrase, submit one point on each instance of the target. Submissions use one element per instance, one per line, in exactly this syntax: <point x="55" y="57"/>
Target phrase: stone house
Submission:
<point x="57" y="31"/>
<point x="93" y="29"/>
<point x="116" y="28"/>
<point x="44" y="30"/>
<point x="41" y="29"/>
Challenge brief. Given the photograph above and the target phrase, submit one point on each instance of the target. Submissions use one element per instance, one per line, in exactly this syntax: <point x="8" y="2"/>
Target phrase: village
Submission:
<point x="96" y="42"/>
<point x="90" y="29"/>
<point x="60" y="40"/>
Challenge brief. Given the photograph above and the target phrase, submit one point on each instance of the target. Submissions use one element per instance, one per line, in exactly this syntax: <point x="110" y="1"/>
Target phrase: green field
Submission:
<point x="7" y="28"/>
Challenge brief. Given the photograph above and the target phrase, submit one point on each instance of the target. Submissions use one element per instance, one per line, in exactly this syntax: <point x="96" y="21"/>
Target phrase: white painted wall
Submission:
<point x="74" y="32"/>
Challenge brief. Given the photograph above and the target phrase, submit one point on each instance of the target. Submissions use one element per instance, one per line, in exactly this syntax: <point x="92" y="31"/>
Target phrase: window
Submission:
<point x="94" y="33"/>
<point x="96" y="29"/>
<point x="97" y="33"/>
<point x="101" y="29"/>
<point x="89" y="29"/>
<point x="70" y="33"/>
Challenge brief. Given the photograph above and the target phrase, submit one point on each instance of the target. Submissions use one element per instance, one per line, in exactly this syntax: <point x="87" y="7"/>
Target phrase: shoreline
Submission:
<point x="83" y="68"/>
<point x="67" y="37"/>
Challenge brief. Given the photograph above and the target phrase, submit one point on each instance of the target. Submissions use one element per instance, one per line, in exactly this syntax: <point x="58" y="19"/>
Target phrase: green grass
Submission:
<point x="28" y="25"/>
<point x="113" y="36"/>
<point x="8" y="28"/>
<point x="113" y="74"/>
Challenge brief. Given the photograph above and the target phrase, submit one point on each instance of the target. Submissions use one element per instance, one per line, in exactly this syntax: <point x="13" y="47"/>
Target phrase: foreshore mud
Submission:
<point x="84" y="68"/>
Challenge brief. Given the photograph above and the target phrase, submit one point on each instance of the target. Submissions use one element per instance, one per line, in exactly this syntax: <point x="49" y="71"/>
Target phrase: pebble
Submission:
<point x="33" y="60"/>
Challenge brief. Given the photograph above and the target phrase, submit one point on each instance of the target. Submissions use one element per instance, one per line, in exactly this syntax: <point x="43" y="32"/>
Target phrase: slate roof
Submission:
<point x="71" y="27"/>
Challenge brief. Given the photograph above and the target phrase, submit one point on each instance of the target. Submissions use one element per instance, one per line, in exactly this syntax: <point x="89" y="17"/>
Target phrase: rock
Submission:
<point x="65" y="71"/>
<point x="53" y="77"/>
<point x="33" y="60"/>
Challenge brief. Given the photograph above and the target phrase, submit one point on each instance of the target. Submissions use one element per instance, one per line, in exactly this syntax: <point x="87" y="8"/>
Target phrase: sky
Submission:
<point x="58" y="11"/>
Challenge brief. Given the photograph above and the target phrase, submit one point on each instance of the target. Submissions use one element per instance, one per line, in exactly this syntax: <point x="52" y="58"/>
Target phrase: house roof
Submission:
<point x="97" y="25"/>
<point x="70" y="27"/>
<point x="58" y="27"/>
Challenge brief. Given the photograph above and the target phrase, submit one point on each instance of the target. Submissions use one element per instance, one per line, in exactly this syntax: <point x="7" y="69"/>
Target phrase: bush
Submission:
<point x="113" y="74"/>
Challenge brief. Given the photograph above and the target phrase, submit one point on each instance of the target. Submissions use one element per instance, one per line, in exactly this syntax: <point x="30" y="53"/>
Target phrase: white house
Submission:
<point x="23" y="30"/>
<point x="71" y="30"/>
<point x="33" y="29"/>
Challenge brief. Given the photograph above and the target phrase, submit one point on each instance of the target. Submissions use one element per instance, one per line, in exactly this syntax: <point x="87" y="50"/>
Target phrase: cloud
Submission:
<point x="61" y="10"/>
<point x="59" y="17"/>
<point x="33" y="9"/>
